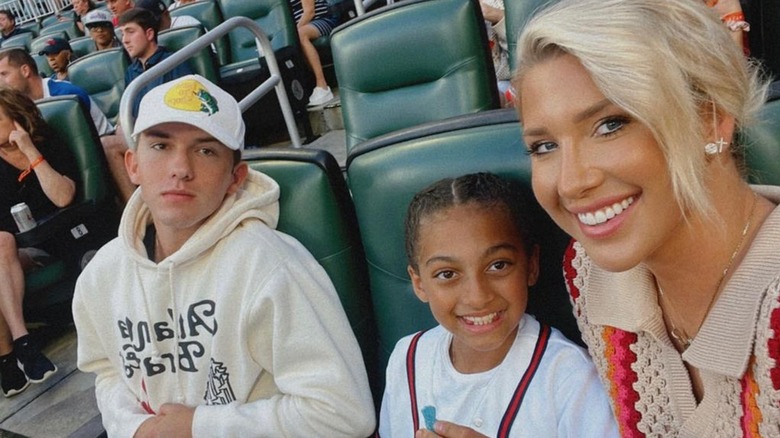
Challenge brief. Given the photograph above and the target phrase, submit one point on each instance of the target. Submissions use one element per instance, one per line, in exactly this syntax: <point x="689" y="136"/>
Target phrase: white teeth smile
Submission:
<point x="481" y="320"/>
<point x="605" y="214"/>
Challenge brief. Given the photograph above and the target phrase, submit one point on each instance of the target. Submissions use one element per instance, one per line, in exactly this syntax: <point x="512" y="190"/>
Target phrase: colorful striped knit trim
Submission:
<point x="773" y="345"/>
<point x="569" y="272"/>
<point x="751" y="413"/>
<point x="619" y="358"/>
<point x="617" y="352"/>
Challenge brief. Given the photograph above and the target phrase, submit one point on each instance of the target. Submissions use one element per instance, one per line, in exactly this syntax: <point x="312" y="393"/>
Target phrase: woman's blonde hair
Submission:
<point x="668" y="63"/>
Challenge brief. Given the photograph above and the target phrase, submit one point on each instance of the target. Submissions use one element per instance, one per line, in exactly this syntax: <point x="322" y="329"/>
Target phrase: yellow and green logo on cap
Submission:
<point x="191" y="95"/>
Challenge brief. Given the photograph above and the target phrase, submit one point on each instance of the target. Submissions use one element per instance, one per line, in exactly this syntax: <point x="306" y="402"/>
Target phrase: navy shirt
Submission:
<point x="137" y="68"/>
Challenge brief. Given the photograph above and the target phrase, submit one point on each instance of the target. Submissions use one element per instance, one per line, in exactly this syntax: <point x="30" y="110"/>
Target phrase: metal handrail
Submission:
<point x="263" y="46"/>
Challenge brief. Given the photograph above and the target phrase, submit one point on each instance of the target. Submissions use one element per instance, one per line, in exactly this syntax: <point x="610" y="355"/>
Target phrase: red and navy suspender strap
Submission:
<point x="522" y="387"/>
<point x="410" y="376"/>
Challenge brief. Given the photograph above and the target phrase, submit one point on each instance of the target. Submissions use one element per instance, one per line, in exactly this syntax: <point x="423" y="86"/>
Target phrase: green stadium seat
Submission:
<point x="77" y="230"/>
<point x="316" y="209"/>
<point x="69" y="27"/>
<point x="384" y="174"/>
<point x="32" y="26"/>
<point x="203" y="63"/>
<point x="762" y="147"/>
<point x="102" y="75"/>
<point x="516" y="15"/>
<point x="22" y="41"/>
<point x="412" y="62"/>
<point x="247" y="69"/>
<point x="82" y="46"/>
<point x="275" y="18"/>
<point x="210" y="15"/>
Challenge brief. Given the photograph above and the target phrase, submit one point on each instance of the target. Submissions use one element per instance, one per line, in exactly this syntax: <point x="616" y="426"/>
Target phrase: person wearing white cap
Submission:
<point x="200" y="319"/>
<point x="101" y="29"/>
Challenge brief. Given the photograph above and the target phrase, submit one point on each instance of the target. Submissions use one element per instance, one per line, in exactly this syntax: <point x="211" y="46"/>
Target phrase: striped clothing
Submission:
<point x="322" y="18"/>
<point x="736" y="350"/>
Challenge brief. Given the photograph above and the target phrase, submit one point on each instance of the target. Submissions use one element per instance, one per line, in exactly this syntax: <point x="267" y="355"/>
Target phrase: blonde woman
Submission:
<point x="630" y="110"/>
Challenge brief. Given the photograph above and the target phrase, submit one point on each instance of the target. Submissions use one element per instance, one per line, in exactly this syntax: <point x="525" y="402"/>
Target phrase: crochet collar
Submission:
<point x="628" y="301"/>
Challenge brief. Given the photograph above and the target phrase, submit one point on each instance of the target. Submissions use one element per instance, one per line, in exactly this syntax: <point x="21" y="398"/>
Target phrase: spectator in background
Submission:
<point x="80" y="9"/>
<point x="59" y="54"/>
<point x="493" y="12"/>
<point x="313" y="20"/>
<point x="19" y="71"/>
<point x="117" y="8"/>
<point x="8" y="25"/>
<point x="160" y="11"/>
<point x="139" y="37"/>
<point x="40" y="173"/>
<point x="101" y="29"/>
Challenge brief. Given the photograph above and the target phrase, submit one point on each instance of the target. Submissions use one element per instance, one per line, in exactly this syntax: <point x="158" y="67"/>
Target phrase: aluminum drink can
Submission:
<point x="23" y="217"/>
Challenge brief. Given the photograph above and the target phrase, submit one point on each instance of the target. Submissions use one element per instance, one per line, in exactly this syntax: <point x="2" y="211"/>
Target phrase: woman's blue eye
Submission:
<point x="611" y="126"/>
<point x="542" y="147"/>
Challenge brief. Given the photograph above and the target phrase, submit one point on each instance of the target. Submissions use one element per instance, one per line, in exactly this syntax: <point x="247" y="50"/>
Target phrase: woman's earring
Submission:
<point x="715" y="148"/>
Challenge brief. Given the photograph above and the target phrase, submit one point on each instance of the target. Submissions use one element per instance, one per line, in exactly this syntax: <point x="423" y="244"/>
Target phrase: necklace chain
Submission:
<point x="679" y="334"/>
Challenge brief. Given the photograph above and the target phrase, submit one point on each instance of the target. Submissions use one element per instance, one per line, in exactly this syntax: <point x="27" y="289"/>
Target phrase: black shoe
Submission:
<point x="12" y="379"/>
<point x="36" y="366"/>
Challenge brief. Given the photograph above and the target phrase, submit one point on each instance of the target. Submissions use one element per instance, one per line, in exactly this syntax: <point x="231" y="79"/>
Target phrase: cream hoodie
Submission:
<point x="241" y="322"/>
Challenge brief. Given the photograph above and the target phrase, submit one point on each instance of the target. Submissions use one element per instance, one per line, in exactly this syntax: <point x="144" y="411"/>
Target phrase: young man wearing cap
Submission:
<point x="200" y="319"/>
<point x="8" y="25"/>
<point x="59" y="54"/>
<point x="101" y="29"/>
<point x="19" y="71"/>
<point x="160" y="11"/>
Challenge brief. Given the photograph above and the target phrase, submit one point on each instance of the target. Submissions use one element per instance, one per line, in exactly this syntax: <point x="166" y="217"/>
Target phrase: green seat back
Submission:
<point x="69" y="27"/>
<point x="102" y="75"/>
<point x="383" y="176"/>
<point x="762" y="143"/>
<point x="516" y="15"/>
<point x="44" y="69"/>
<point x="37" y="44"/>
<point x="21" y="40"/>
<point x="32" y="26"/>
<point x="73" y="128"/>
<point x="82" y="46"/>
<point x="316" y="209"/>
<point x="273" y="16"/>
<point x="203" y="62"/>
<point x="413" y="62"/>
<point x="210" y="15"/>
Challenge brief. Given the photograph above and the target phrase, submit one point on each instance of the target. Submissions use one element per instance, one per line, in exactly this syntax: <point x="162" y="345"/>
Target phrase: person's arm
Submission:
<point x="308" y="13"/>
<point x="730" y="11"/>
<point x="57" y="187"/>
<point x="298" y="332"/>
<point x="120" y="410"/>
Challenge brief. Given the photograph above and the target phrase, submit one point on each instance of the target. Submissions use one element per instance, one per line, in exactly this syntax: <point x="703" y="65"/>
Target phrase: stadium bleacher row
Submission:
<point x="408" y="125"/>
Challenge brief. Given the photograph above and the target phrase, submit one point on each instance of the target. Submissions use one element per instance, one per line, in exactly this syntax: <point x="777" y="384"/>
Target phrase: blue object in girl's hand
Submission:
<point x="429" y="413"/>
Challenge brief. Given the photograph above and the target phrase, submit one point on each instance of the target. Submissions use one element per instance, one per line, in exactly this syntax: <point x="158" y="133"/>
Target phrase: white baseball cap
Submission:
<point x="98" y="17"/>
<point x="196" y="101"/>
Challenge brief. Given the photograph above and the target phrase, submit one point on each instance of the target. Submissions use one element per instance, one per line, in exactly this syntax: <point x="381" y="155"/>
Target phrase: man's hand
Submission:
<point x="445" y="429"/>
<point x="173" y="421"/>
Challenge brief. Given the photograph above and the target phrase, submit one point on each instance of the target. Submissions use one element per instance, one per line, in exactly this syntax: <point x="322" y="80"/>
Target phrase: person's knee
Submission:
<point x="7" y="244"/>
